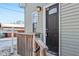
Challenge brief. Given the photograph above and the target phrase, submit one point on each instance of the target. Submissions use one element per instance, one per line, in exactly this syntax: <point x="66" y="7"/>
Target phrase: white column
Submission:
<point x="28" y="19"/>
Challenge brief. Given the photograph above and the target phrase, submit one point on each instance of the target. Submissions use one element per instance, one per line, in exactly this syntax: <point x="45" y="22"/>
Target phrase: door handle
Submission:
<point x="46" y="34"/>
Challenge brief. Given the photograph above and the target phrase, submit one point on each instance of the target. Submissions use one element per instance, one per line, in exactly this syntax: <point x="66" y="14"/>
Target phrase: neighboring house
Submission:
<point x="6" y="29"/>
<point x="58" y="23"/>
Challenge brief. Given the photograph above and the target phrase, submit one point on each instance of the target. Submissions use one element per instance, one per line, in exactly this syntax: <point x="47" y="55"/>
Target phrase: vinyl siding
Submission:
<point x="69" y="29"/>
<point x="30" y="8"/>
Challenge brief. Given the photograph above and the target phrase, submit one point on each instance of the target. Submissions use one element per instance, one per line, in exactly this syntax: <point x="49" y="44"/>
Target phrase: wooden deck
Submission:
<point x="29" y="45"/>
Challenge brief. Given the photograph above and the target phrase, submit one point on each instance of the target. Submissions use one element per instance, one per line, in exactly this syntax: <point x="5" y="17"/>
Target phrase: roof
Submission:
<point x="12" y="25"/>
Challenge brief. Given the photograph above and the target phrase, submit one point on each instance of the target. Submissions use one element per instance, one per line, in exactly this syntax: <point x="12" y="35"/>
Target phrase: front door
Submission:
<point x="52" y="28"/>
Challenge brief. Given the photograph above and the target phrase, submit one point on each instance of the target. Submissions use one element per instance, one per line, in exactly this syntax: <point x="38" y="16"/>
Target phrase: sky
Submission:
<point x="11" y="12"/>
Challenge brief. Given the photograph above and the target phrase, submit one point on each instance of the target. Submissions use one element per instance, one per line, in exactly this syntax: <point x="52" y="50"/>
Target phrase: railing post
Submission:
<point x="43" y="52"/>
<point x="34" y="45"/>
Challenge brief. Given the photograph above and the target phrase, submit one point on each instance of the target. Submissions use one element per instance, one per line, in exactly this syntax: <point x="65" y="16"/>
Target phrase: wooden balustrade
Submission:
<point x="24" y="44"/>
<point x="40" y="49"/>
<point x="29" y="45"/>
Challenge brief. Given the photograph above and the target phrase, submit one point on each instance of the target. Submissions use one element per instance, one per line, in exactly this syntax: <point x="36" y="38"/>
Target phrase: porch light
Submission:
<point x="38" y="8"/>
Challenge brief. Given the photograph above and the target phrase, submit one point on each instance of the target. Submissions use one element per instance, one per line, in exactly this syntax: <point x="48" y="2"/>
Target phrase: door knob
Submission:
<point x="46" y="34"/>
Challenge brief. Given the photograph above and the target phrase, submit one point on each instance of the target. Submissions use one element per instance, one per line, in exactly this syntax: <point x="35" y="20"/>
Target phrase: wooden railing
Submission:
<point x="24" y="44"/>
<point x="29" y="45"/>
<point x="40" y="49"/>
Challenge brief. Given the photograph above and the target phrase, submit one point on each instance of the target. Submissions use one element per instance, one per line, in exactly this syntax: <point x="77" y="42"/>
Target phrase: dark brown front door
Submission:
<point x="52" y="28"/>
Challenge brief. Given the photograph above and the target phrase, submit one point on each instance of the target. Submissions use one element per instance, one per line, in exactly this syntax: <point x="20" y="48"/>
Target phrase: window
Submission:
<point x="52" y="11"/>
<point x="34" y="20"/>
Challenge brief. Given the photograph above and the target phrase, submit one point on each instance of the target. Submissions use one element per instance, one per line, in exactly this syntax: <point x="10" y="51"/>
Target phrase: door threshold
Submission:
<point x="52" y="53"/>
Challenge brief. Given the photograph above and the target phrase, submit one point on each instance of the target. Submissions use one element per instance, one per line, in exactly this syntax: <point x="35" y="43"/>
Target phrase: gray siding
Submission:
<point x="69" y="29"/>
<point x="30" y="8"/>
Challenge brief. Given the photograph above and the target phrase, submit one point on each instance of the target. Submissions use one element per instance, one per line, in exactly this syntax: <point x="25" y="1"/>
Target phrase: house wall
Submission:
<point x="29" y="9"/>
<point x="69" y="29"/>
<point x="69" y="26"/>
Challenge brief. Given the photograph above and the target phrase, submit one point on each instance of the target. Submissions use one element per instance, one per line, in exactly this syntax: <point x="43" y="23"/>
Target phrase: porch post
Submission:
<point x="28" y="19"/>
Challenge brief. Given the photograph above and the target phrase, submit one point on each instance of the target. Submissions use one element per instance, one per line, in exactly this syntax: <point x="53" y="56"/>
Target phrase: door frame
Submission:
<point x="44" y="23"/>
